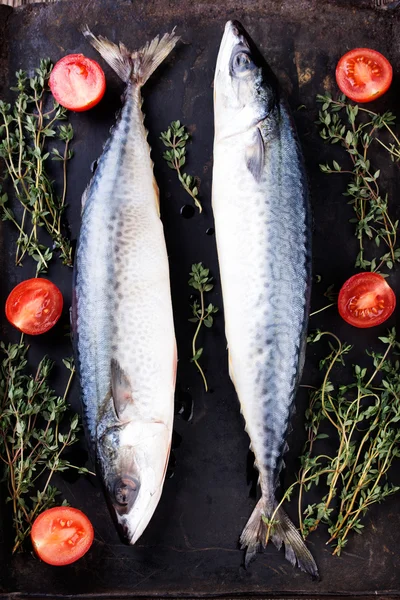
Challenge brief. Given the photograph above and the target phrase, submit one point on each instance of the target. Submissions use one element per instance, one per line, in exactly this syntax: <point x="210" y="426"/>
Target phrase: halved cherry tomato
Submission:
<point x="61" y="535"/>
<point x="363" y="74"/>
<point x="77" y="82"/>
<point x="34" y="306"/>
<point x="365" y="300"/>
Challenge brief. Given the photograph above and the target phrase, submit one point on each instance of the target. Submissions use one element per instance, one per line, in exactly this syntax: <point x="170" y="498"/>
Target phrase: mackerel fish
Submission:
<point x="122" y="312"/>
<point x="262" y="224"/>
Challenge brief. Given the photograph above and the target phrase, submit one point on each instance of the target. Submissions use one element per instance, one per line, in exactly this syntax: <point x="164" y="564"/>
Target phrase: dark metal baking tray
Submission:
<point x="191" y="547"/>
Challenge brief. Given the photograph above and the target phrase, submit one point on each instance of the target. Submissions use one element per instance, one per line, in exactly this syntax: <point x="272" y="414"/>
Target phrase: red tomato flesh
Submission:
<point x="77" y="82"/>
<point x="61" y="535"/>
<point x="366" y="300"/>
<point x="363" y="74"/>
<point x="34" y="306"/>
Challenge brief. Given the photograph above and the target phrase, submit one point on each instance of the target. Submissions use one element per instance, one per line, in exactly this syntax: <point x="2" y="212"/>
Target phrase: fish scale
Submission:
<point x="122" y="310"/>
<point x="262" y="227"/>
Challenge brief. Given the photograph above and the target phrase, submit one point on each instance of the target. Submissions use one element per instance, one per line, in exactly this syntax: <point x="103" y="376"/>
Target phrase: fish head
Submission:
<point x="133" y="458"/>
<point x="245" y="89"/>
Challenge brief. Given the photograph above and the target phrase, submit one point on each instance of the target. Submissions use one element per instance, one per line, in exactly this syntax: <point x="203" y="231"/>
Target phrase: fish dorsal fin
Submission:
<point x="255" y="154"/>
<point x="121" y="388"/>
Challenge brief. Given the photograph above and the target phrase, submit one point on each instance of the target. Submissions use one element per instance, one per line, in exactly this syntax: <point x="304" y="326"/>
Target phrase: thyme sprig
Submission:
<point x="201" y="281"/>
<point x="361" y="420"/>
<point x="356" y="129"/>
<point x="35" y="430"/>
<point x="175" y="137"/>
<point x="26" y="126"/>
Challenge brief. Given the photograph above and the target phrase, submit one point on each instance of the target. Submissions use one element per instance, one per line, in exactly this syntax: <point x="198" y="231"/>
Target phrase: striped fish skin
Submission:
<point x="122" y="313"/>
<point x="262" y="224"/>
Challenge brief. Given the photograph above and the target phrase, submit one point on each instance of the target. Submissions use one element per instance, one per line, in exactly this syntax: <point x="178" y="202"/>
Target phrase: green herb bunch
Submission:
<point x="201" y="281"/>
<point x="26" y="128"/>
<point x="356" y="129"/>
<point x="176" y="138"/>
<point x="36" y="425"/>
<point x="361" y="419"/>
<point x="35" y="429"/>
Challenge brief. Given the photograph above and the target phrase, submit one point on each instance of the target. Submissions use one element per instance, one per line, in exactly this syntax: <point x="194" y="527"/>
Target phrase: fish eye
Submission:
<point x="242" y="62"/>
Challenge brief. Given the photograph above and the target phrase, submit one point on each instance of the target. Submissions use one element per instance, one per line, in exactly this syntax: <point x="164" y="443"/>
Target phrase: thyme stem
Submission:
<point x="340" y="122"/>
<point x="175" y="138"/>
<point x="202" y="315"/>
<point x="25" y="130"/>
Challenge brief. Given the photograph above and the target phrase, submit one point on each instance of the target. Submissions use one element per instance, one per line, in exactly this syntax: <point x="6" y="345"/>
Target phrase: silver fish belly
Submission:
<point x="122" y="311"/>
<point x="262" y="223"/>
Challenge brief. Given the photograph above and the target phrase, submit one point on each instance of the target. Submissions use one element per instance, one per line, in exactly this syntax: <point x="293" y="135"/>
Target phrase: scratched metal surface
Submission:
<point x="379" y="4"/>
<point x="191" y="545"/>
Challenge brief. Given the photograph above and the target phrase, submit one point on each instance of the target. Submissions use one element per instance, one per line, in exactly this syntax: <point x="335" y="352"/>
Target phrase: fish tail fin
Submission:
<point x="254" y="534"/>
<point x="296" y="552"/>
<point x="254" y="537"/>
<point x="134" y="66"/>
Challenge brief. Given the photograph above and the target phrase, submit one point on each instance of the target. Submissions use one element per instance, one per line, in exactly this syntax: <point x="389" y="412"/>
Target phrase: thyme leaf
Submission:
<point x="36" y="427"/>
<point x="201" y="281"/>
<point x="28" y="128"/>
<point x="356" y="129"/>
<point x="175" y="137"/>
<point x="361" y="420"/>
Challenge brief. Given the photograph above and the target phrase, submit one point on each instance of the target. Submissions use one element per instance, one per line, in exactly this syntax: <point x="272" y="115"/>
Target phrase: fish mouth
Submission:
<point x="234" y="38"/>
<point x="121" y="496"/>
<point x="236" y="30"/>
<point x="125" y="533"/>
<point x="132" y="505"/>
<point x="130" y="532"/>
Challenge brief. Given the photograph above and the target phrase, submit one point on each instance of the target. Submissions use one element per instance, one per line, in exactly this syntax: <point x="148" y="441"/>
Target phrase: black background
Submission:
<point x="191" y="544"/>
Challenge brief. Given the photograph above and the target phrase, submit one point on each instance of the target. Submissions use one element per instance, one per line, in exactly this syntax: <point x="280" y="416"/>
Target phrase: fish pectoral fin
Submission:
<point x="121" y="389"/>
<point x="84" y="198"/>
<point x="255" y="155"/>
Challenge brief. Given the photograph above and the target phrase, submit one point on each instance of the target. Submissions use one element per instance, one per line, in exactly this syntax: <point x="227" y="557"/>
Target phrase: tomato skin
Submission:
<point x="34" y="306"/>
<point x="61" y="535"/>
<point x="366" y="300"/>
<point x="77" y="82"/>
<point x="363" y="74"/>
